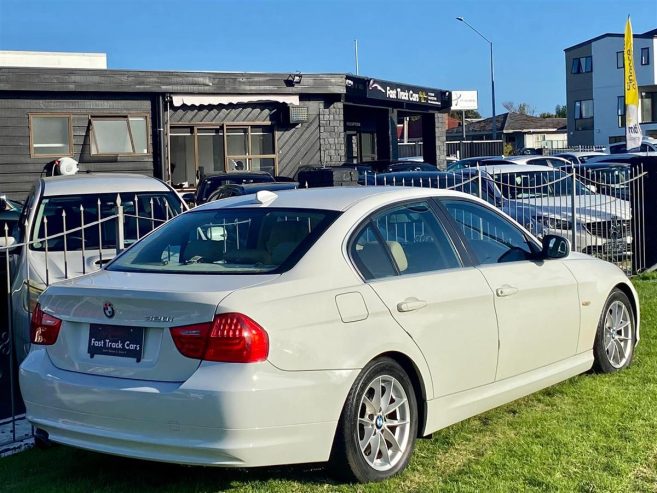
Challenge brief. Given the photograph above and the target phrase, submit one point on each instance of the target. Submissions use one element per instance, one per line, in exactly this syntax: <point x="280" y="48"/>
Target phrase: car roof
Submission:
<point x="88" y="183"/>
<point x="274" y="185"/>
<point x="331" y="198"/>
<point x="581" y="153"/>
<point x="514" y="168"/>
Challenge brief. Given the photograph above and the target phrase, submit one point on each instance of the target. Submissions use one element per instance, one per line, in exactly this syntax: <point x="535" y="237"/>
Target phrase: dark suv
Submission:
<point x="210" y="183"/>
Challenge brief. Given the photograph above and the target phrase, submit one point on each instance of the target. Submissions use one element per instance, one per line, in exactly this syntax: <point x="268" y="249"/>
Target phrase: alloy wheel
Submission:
<point x="384" y="423"/>
<point x="617" y="335"/>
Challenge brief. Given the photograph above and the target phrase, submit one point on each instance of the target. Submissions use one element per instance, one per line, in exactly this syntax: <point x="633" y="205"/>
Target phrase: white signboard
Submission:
<point x="464" y="100"/>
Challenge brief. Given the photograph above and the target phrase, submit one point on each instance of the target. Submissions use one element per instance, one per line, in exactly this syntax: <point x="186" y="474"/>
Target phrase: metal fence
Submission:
<point x="409" y="149"/>
<point x="559" y="150"/>
<point x="601" y="212"/>
<point x="57" y="252"/>
<point x="472" y="148"/>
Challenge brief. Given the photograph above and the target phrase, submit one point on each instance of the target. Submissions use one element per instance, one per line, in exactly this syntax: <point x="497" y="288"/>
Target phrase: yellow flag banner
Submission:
<point x="632" y="128"/>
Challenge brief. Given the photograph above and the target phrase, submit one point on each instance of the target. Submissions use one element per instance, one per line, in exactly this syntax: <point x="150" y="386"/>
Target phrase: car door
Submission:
<point x="446" y="306"/>
<point x="536" y="300"/>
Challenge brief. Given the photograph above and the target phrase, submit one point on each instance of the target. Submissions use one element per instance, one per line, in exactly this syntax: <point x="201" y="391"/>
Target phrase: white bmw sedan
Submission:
<point x="317" y="325"/>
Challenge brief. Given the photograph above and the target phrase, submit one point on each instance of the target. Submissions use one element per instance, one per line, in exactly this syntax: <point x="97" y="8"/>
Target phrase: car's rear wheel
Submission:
<point x="378" y="425"/>
<point x="616" y="336"/>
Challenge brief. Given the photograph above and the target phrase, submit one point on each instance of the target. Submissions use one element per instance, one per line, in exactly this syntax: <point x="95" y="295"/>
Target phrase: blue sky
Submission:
<point x="409" y="41"/>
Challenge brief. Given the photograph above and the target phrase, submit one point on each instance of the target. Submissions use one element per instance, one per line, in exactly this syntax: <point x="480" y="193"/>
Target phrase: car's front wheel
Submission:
<point x="378" y="425"/>
<point x="616" y="336"/>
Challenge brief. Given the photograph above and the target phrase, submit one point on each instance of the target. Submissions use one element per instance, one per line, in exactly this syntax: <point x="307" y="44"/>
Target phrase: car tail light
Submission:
<point x="44" y="328"/>
<point x="229" y="338"/>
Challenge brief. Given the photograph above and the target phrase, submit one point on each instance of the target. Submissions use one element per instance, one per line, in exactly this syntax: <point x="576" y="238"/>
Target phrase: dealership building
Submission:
<point x="178" y="126"/>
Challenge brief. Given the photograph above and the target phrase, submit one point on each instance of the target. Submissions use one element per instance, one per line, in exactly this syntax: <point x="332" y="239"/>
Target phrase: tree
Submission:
<point x="560" y="111"/>
<point x="457" y="114"/>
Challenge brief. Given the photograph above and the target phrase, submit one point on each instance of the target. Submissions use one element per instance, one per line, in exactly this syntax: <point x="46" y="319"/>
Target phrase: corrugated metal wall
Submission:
<point x="18" y="169"/>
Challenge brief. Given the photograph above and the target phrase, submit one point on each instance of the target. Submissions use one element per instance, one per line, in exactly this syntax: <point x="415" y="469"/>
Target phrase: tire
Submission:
<point x="615" y="338"/>
<point x="364" y="421"/>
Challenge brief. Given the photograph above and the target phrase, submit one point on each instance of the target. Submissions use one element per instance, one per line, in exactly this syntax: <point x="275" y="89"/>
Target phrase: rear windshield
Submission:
<point x="228" y="241"/>
<point x="143" y="211"/>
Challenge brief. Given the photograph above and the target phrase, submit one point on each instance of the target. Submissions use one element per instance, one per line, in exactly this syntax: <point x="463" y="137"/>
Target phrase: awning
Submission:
<point x="214" y="99"/>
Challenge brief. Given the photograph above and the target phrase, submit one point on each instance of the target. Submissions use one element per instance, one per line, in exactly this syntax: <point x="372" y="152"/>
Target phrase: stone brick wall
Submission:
<point x="331" y="133"/>
<point x="441" y="138"/>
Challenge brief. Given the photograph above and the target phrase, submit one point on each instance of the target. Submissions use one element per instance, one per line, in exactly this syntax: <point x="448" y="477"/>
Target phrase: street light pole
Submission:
<point x="492" y="73"/>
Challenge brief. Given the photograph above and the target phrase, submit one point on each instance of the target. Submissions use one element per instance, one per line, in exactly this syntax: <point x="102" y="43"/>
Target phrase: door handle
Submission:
<point x="506" y="290"/>
<point x="410" y="304"/>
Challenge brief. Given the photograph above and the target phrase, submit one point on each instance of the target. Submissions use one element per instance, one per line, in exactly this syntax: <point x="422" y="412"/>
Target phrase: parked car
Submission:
<point x="10" y="210"/>
<point x="234" y="190"/>
<point x="579" y="157"/>
<point x="647" y="145"/>
<point x="551" y="161"/>
<point x="611" y="179"/>
<point x="468" y="180"/>
<point x="337" y="323"/>
<point x="470" y="162"/>
<point x="56" y="209"/>
<point x="601" y="223"/>
<point x="210" y="183"/>
<point x="646" y="159"/>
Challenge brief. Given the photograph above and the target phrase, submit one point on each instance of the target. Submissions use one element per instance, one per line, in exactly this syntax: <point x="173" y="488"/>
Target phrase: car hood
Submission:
<point x="588" y="208"/>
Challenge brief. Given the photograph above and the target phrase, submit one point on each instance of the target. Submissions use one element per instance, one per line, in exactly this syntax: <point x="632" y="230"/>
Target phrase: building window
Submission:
<point x="197" y="151"/>
<point x="123" y="135"/>
<point x="645" y="56"/>
<point x="584" y="115"/>
<point x="250" y="148"/>
<point x="620" y="59"/>
<point x="620" y="111"/>
<point x="648" y="107"/>
<point x="582" y="65"/>
<point x="50" y="135"/>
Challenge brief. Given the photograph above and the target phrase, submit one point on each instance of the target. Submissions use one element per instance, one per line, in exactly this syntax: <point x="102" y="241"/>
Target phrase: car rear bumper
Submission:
<point x="224" y="415"/>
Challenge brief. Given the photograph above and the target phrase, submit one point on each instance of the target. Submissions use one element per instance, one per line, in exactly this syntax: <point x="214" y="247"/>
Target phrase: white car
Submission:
<point x="601" y="223"/>
<point x="579" y="157"/>
<point x="66" y="203"/>
<point x="320" y="324"/>
<point x="529" y="159"/>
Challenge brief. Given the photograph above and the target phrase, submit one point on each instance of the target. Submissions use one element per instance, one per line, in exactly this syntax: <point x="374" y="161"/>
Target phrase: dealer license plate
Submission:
<point x="116" y="340"/>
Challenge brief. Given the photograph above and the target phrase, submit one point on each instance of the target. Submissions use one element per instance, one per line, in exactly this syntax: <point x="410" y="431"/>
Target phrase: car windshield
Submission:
<point x="68" y="213"/>
<point x="610" y="176"/>
<point x="532" y="184"/>
<point x="228" y="241"/>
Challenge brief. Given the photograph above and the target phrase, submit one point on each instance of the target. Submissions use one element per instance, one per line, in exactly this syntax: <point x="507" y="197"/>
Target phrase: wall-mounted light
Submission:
<point x="293" y="79"/>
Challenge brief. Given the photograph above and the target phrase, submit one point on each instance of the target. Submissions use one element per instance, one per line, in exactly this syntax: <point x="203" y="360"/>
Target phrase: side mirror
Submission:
<point x="555" y="246"/>
<point x="593" y="188"/>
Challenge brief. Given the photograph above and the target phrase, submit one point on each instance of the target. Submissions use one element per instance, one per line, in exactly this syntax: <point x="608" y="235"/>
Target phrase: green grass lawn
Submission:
<point x="592" y="433"/>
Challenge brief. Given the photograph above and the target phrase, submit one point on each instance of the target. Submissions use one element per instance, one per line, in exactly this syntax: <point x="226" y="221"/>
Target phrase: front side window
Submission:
<point x="409" y="238"/>
<point x="119" y="135"/>
<point x="228" y="241"/>
<point x="60" y="219"/>
<point x="492" y="237"/>
<point x="50" y="135"/>
<point x="584" y="114"/>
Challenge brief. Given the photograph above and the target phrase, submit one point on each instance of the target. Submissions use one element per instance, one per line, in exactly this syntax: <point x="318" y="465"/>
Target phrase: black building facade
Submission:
<point x="180" y="125"/>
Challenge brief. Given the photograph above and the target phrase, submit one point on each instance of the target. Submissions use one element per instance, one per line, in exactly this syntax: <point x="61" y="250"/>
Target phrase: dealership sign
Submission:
<point x="391" y="91"/>
<point x="464" y="100"/>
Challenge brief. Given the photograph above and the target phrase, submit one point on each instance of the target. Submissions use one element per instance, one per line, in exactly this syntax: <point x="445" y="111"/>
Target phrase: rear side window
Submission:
<point x="228" y="241"/>
<point x="406" y="239"/>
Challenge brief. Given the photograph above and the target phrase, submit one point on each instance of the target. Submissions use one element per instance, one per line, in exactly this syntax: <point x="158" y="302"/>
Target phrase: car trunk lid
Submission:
<point x="106" y="314"/>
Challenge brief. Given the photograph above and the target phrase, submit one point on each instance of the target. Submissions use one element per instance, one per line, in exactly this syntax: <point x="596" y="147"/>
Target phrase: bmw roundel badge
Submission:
<point x="108" y="309"/>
